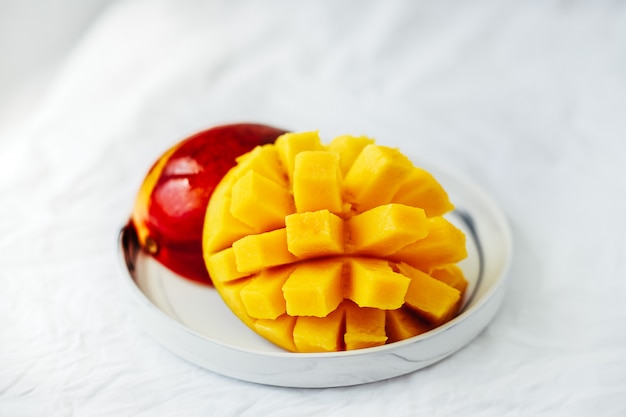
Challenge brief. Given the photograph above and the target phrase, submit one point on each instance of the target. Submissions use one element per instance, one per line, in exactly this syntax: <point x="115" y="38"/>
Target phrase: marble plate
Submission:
<point x="191" y="320"/>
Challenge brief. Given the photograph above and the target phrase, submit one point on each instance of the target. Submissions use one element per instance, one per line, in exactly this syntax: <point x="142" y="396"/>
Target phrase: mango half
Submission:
<point x="322" y="248"/>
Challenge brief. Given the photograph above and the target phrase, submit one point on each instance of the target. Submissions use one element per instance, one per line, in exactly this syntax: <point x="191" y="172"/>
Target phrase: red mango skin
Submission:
<point x="171" y="204"/>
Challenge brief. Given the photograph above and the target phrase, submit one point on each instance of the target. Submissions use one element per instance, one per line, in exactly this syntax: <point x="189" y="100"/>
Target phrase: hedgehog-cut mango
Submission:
<point x="334" y="247"/>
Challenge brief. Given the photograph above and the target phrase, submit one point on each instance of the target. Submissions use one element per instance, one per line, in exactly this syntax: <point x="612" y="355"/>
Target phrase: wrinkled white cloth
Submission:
<point x="525" y="98"/>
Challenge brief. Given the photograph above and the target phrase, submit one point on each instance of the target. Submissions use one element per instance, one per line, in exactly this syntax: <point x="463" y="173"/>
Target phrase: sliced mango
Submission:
<point x="291" y="144"/>
<point x="365" y="327"/>
<point x="264" y="161"/>
<point x="348" y="147"/>
<point x="452" y="275"/>
<point x="262" y="296"/>
<point x="223" y="266"/>
<point x="375" y="176"/>
<point x="320" y="334"/>
<point x="315" y="234"/>
<point x="373" y="283"/>
<point x="317" y="182"/>
<point x="227" y="228"/>
<point x="431" y="298"/>
<point x="314" y="288"/>
<point x="421" y="189"/>
<point x="401" y="324"/>
<point x="386" y="229"/>
<point x="324" y="248"/>
<point x="265" y="250"/>
<point x="278" y="331"/>
<point x="444" y="244"/>
<point x="260" y="203"/>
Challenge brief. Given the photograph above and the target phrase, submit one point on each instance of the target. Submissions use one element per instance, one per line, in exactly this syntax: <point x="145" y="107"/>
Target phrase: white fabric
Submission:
<point x="526" y="98"/>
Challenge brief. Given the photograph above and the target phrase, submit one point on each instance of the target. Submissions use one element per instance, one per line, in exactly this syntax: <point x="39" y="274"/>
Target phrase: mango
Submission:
<point x="314" y="288"/>
<point x="444" y="244"/>
<point x="320" y="248"/>
<point x="259" y="202"/>
<point x="261" y="297"/>
<point x="421" y="189"/>
<point x="372" y="283"/>
<point x="401" y="324"/>
<point x="255" y="252"/>
<point x="317" y="182"/>
<point x="365" y="327"/>
<point x="314" y="234"/>
<point x="348" y="147"/>
<point x="386" y="229"/>
<point x="319" y="334"/>
<point x="375" y="176"/>
<point x="432" y="299"/>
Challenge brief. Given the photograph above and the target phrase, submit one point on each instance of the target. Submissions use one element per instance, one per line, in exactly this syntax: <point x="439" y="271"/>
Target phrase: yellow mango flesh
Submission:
<point x="227" y="228"/>
<point x="314" y="288"/>
<point x="263" y="160"/>
<point x="452" y="275"/>
<point x="223" y="266"/>
<point x="401" y="324"/>
<point x="278" y="331"/>
<point x="348" y="147"/>
<point x="314" y="234"/>
<point x="386" y="229"/>
<point x="432" y="299"/>
<point x="365" y="327"/>
<point x="317" y="247"/>
<point x="444" y="244"/>
<point x="319" y="334"/>
<point x="375" y="176"/>
<point x="265" y="250"/>
<point x="289" y="145"/>
<point x="317" y="182"/>
<point x="421" y="189"/>
<point x="262" y="296"/>
<point x="259" y="202"/>
<point x="372" y="283"/>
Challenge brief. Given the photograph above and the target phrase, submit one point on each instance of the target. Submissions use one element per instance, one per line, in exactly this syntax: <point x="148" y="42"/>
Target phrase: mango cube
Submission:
<point x="264" y="161"/>
<point x="386" y="229"/>
<point x="349" y="147"/>
<point x="374" y="284"/>
<point x="259" y="202"/>
<point x="421" y="189"/>
<point x="265" y="250"/>
<point x="314" y="288"/>
<point x="375" y="176"/>
<point x="340" y="247"/>
<point x="262" y="297"/>
<point x="430" y="298"/>
<point x="314" y="234"/>
<point x="223" y="267"/>
<point x="450" y="274"/>
<point x="317" y="182"/>
<point x="225" y="230"/>
<point x="319" y="334"/>
<point x="444" y="244"/>
<point x="278" y="331"/>
<point x="401" y="324"/>
<point x="365" y="327"/>
<point x="290" y="144"/>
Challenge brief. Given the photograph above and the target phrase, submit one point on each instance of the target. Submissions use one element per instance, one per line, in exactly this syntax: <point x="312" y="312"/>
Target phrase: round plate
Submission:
<point x="192" y="321"/>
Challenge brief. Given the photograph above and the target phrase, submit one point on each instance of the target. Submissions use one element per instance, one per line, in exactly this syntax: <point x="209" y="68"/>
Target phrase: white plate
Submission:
<point x="192" y="321"/>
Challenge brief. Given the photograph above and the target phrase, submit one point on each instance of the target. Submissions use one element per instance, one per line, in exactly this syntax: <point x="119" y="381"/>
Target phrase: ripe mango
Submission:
<point x="333" y="247"/>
